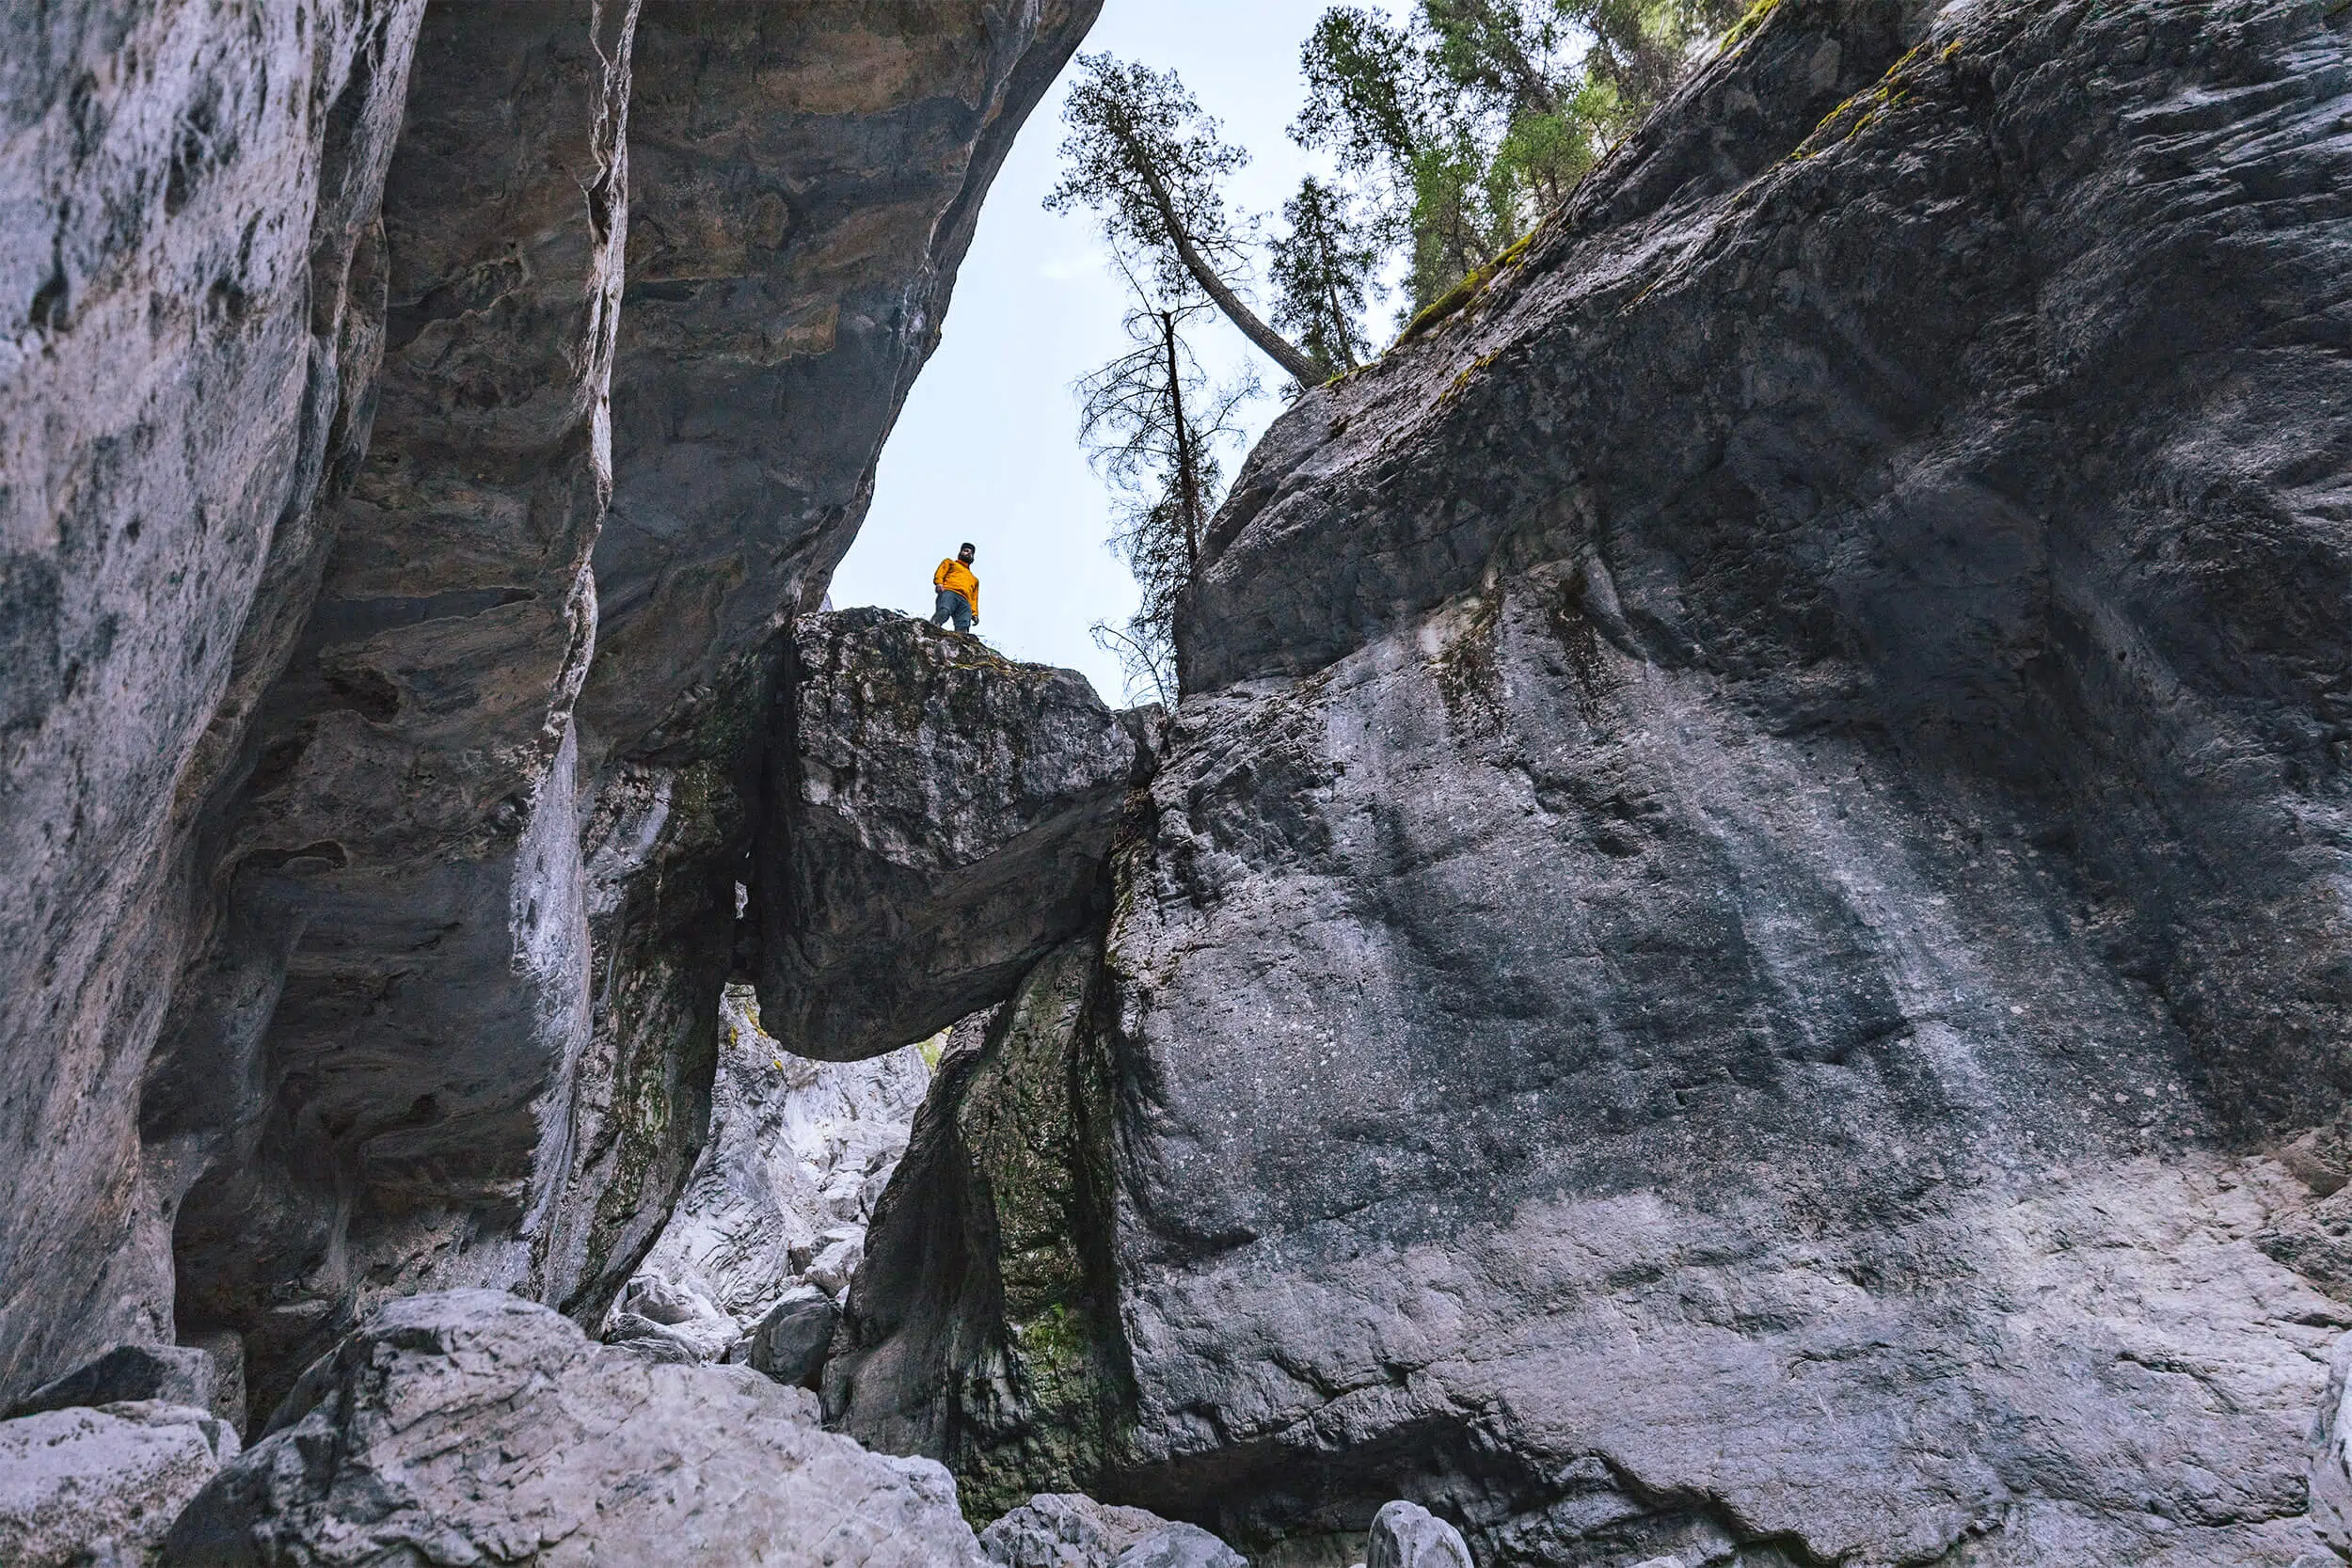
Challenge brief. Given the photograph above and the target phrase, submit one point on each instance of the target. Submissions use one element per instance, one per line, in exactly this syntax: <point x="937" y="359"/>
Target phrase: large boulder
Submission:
<point x="471" y="1425"/>
<point x="97" y="1488"/>
<point x="942" y="824"/>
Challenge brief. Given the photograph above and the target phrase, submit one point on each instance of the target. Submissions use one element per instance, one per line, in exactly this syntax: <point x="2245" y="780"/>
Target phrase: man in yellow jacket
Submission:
<point x="959" y="592"/>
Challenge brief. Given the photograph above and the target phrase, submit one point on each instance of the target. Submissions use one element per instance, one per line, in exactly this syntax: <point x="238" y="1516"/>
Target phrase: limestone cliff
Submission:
<point x="191" y="310"/>
<point x="1752" y="868"/>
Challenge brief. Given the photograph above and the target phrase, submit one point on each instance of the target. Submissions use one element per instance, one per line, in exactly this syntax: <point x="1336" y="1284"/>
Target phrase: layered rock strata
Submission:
<point x="941" y="821"/>
<point x="1752" y="858"/>
<point x="380" y="812"/>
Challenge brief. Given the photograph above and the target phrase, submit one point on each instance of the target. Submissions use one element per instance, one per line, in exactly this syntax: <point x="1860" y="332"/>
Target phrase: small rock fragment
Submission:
<point x="790" y="1343"/>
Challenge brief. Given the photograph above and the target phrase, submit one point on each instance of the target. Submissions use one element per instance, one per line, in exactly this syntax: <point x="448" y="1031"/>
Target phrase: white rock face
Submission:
<point x="799" y="1152"/>
<point x="85" y="1486"/>
<point x="1407" y="1536"/>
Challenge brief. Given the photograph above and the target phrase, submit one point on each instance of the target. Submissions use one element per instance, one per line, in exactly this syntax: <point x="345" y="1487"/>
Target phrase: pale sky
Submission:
<point x="987" y="447"/>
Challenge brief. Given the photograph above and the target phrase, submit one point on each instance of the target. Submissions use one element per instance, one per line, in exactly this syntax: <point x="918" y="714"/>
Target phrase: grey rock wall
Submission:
<point x="1750" y="875"/>
<point x="403" y="864"/>
<point x="980" y="1330"/>
<point x="190" y="305"/>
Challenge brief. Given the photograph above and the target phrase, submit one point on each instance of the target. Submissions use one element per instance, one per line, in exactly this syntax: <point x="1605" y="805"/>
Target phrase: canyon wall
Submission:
<point x="191" y="310"/>
<point x="380" y="804"/>
<point x="1739" y="952"/>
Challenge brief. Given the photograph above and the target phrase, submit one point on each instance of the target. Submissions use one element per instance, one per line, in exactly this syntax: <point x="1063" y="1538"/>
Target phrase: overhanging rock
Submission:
<point x="940" y="821"/>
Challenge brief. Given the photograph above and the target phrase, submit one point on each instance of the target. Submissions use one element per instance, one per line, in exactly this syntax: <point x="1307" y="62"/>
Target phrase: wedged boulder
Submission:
<point x="941" y="825"/>
<point x="98" y="1487"/>
<point x="1069" y="1530"/>
<point x="471" y="1425"/>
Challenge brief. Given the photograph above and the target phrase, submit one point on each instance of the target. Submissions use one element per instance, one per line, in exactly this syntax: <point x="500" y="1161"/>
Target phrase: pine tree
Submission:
<point x="1149" y="164"/>
<point x="1475" y="117"/>
<point x="1152" y="425"/>
<point x="1323" y="272"/>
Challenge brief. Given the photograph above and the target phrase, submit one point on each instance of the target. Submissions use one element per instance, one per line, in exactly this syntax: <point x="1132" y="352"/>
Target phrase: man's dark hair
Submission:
<point x="965" y="546"/>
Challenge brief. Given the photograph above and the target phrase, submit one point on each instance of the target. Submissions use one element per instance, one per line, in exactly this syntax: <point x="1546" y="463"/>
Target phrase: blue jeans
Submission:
<point x="951" y="607"/>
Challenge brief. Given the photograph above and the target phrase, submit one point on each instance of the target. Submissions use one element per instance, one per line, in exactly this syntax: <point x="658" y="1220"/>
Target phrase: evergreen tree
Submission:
<point x="1323" y="271"/>
<point x="1149" y="164"/>
<point x="1475" y="117"/>
<point x="1152" y="425"/>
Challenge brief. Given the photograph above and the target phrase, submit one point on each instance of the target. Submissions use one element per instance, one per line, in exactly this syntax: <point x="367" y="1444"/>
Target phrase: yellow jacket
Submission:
<point x="956" y="577"/>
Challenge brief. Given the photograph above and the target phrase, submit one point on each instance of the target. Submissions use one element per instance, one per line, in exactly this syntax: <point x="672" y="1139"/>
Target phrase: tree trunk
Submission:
<point x="1187" y="471"/>
<point x="1306" y="371"/>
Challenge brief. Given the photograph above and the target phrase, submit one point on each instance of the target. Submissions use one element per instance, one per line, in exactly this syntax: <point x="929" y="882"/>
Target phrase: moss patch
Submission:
<point x="1038" y="1413"/>
<point x="1745" y="28"/>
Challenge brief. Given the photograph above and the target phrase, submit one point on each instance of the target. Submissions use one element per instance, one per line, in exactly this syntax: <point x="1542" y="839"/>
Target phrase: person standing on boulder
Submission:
<point x="959" y="591"/>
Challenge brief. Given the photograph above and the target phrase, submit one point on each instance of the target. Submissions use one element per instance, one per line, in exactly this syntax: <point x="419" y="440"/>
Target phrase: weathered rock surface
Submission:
<point x="1407" y="1536"/>
<point x="470" y="1425"/>
<point x="403" y="864"/>
<point x="190" y="309"/>
<point x="943" y="825"/>
<point x="977" y="1330"/>
<point x="778" y="1205"/>
<point x="1069" y="1530"/>
<point x="375" y="811"/>
<point x="97" y="1488"/>
<point x="2331" y="1459"/>
<point x="1757" y="850"/>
